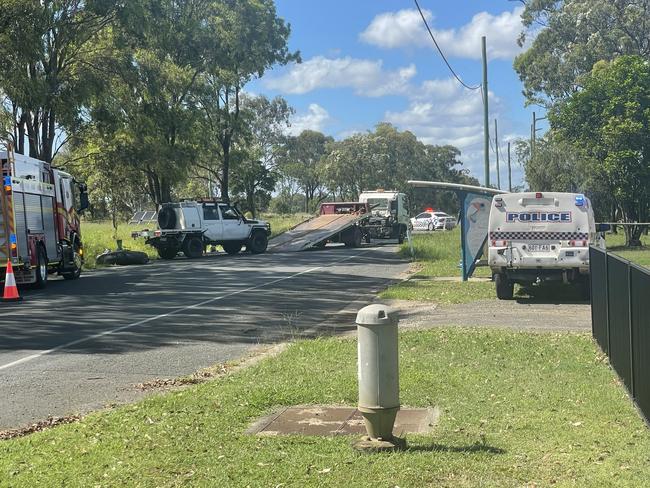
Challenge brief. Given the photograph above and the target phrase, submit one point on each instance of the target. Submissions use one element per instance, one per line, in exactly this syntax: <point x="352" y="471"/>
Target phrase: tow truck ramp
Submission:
<point x="310" y="233"/>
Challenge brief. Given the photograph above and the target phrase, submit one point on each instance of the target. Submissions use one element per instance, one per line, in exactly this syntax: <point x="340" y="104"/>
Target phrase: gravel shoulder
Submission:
<point x="524" y="315"/>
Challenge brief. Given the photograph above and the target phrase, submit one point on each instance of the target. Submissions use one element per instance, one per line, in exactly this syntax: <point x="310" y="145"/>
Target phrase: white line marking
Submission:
<point x="39" y="354"/>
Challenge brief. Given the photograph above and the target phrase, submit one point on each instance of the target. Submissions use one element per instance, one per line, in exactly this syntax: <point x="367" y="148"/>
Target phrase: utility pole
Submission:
<point x="496" y="149"/>
<point x="486" y="127"/>
<point x="509" y="171"/>
<point x="533" y="134"/>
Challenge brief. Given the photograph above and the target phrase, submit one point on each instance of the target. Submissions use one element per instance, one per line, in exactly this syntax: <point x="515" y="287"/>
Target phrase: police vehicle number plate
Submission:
<point x="539" y="247"/>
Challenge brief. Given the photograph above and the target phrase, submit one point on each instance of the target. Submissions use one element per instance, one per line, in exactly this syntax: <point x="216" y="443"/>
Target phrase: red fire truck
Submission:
<point x="39" y="220"/>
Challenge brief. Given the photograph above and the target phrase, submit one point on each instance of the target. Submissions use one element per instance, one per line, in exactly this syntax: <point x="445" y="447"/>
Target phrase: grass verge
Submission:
<point x="640" y="256"/>
<point x="438" y="255"/>
<point x="518" y="410"/>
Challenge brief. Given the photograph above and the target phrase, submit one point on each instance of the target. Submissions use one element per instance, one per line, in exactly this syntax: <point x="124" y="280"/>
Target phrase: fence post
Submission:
<point x="629" y="324"/>
<point x="609" y="348"/>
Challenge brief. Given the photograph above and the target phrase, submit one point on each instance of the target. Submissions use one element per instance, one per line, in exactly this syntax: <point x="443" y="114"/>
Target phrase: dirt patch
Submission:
<point x="525" y="315"/>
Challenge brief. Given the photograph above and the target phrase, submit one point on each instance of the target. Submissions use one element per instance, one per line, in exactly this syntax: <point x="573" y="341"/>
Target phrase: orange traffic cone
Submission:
<point x="11" y="290"/>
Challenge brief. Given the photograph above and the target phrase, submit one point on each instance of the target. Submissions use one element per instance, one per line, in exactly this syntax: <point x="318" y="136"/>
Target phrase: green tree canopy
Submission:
<point x="609" y="119"/>
<point x="570" y="36"/>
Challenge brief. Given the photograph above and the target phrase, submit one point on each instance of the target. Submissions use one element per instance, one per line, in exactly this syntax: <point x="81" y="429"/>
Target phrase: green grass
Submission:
<point x="616" y="244"/>
<point x="518" y="409"/>
<point x="438" y="254"/>
<point x="282" y="223"/>
<point x="444" y="292"/>
<point x="98" y="236"/>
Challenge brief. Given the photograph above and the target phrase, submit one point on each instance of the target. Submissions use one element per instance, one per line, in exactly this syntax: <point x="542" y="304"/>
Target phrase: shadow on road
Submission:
<point x="220" y="299"/>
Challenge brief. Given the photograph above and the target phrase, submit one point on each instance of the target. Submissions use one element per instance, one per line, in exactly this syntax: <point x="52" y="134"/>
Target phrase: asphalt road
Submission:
<point x="79" y="346"/>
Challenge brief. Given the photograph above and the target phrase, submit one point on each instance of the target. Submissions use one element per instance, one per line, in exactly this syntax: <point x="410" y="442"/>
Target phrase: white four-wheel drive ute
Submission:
<point x="190" y="226"/>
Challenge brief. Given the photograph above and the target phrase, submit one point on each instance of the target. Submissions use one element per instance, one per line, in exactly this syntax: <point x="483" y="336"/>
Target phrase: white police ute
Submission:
<point x="537" y="237"/>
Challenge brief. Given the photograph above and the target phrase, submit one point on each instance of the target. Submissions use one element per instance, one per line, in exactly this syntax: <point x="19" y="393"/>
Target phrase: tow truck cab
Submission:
<point x="535" y="237"/>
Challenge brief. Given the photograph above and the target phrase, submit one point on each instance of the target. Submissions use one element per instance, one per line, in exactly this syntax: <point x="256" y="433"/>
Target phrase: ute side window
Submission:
<point x="228" y="212"/>
<point x="210" y="212"/>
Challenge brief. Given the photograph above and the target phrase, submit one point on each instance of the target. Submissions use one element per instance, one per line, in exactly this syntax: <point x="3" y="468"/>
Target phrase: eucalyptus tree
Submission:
<point x="46" y="68"/>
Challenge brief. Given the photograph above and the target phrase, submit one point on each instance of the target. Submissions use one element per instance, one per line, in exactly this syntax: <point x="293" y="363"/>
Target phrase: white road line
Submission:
<point x="39" y="354"/>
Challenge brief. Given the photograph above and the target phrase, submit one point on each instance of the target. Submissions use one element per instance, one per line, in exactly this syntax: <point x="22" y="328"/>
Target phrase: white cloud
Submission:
<point x="442" y="112"/>
<point x="406" y="29"/>
<point x="366" y="77"/>
<point x="397" y="29"/>
<point x="315" y="119"/>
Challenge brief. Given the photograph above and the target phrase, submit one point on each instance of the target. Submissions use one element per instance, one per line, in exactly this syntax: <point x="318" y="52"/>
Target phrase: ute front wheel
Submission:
<point x="258" y="242"/>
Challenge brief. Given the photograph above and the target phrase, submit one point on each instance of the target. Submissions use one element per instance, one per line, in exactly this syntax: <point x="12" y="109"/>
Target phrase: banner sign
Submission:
<point x="474" y="217"/>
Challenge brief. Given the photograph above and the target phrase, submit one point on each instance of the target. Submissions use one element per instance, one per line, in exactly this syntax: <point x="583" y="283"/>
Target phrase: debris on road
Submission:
<point x="122" y="258"/>
<point x="39" y="426"/>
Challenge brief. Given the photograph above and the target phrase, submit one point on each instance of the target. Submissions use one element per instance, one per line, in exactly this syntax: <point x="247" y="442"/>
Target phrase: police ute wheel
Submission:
<point x="193" y="248"/>
<point x="258" y="242"/>
<point x="167" y="252"/>
<point x="232" y="247"/>
<point x="505" y="287"/>
<point x="41" y="268"/>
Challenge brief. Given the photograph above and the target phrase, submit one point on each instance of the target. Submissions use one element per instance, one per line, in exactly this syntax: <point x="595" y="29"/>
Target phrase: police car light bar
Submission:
<point x="539" y="195"/>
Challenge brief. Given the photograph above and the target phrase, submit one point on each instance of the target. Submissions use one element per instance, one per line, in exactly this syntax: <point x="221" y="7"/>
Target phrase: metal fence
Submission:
<point x="620" y="317"/>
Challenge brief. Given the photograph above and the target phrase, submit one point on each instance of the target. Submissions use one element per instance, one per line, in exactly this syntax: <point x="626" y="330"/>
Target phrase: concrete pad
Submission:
<point x="319" y="420"/>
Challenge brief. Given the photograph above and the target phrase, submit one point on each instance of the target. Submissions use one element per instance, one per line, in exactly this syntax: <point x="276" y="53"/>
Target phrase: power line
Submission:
<point x="440" y="50"/>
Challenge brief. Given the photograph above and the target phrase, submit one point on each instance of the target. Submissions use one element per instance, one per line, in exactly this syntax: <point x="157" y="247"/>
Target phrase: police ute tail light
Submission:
<point x="580" y="201"/>
<point x="498" y="202"/>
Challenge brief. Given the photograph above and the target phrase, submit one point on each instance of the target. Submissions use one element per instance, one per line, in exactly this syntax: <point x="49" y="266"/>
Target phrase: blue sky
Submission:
<point x="368" y="61"/>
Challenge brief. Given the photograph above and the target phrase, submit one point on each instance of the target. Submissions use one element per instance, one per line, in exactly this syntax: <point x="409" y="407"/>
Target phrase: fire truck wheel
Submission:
<point x="258" y="242"/>
<point x="76" y="270"/>
<point x="41" y="268"/>
<point x="193" y="248"/>
<point x="505" y="287"/>
<point x="232" y="247"/>
<point x="167" y="252"/>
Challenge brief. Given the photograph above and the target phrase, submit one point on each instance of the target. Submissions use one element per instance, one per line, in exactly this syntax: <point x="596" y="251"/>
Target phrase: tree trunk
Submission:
<point x="250" y="201"/>
<point x="633" y="235"/>
<point x="225" y="177"/>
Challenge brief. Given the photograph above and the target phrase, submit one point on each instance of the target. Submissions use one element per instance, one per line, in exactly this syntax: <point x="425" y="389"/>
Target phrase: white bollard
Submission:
<point x="378" y="363"/>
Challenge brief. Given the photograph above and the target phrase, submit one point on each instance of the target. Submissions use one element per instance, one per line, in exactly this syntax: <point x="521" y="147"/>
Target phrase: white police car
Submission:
<point x="432" y="220"/>
<point x="535" y="237"/>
